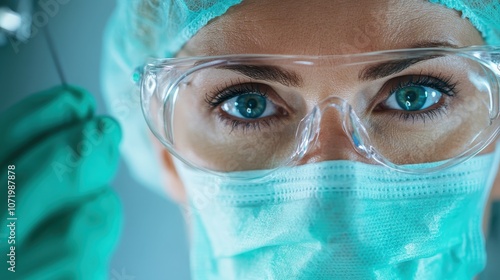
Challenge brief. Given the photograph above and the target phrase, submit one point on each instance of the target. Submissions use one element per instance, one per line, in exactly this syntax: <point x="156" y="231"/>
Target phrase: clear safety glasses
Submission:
<point x="397" y="108"/>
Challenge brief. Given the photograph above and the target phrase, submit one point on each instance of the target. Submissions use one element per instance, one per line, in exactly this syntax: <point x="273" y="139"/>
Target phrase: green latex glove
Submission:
<point x="68" y="218"/>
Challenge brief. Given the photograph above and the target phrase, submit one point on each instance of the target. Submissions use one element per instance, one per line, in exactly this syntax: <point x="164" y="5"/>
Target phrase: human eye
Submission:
<point x="246" y="105"/>
<point x="419" y="96"/>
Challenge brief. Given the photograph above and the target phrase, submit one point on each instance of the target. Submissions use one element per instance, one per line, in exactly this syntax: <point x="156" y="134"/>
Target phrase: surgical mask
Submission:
<point x="339" y="220"/>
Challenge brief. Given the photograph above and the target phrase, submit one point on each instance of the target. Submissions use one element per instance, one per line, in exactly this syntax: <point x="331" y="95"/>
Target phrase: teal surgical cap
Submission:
<point x="143" y="28"/>
<point x="483" y="14"/>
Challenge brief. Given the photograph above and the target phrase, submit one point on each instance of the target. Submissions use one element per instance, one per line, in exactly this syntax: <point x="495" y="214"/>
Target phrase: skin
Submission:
<point x="323" y="28"/>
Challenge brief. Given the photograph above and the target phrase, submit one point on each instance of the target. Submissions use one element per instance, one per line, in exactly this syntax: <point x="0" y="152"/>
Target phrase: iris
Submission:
<point x="412" y="98"/>
<point x="250" y="105"/>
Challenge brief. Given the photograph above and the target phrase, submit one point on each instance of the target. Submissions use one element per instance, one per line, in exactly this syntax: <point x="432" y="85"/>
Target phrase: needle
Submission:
<point x="54" y="56"/>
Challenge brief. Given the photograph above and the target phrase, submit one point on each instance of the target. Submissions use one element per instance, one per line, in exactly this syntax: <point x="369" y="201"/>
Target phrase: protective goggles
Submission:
<point x="397" y="108"/>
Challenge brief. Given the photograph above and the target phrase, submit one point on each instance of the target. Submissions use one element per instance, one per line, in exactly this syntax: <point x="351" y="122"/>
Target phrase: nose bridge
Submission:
<point x="335" y="135"/>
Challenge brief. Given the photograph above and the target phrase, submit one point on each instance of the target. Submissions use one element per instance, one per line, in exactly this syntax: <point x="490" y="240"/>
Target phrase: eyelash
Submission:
<point x="233" y="89"/>
<point x="439" y="82"/>
<point x="237" y="87"/>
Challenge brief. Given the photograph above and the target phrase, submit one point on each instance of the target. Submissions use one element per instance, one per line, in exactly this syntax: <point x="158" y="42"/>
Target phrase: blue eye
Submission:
<point x="249" y="106"/>
<point x="413" y="98"/>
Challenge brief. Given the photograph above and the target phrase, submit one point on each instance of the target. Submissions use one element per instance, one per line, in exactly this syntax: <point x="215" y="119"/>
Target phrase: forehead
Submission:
<point x="320" y="27"/>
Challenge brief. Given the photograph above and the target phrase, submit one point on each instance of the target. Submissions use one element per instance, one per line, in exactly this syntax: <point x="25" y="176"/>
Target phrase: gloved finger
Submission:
<point x="63" y="168"/>
<point x="74" y="243"/>
<point x="41" y="114"/>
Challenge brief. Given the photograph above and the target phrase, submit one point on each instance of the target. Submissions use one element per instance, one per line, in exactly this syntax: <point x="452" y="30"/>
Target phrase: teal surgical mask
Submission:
<point x="340" y="220"/>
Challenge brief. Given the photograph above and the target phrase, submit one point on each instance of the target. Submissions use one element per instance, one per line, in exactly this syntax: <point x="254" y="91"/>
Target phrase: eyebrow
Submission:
<point x="290" y="78"/>
<point x="267" y="73"/>
<point x="390" y="68"/>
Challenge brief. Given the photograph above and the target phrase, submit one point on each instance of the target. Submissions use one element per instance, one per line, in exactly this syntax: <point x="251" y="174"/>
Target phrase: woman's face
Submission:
<point x="320" y="27"/>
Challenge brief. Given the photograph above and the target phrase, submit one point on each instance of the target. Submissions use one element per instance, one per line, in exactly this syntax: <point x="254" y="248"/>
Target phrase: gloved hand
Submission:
<point x="63" y="156"/>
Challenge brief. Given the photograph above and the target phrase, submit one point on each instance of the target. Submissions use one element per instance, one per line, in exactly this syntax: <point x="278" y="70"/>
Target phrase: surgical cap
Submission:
<point x="139" y="29"/>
